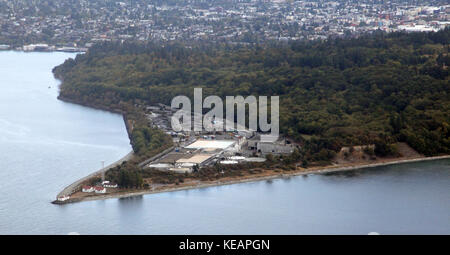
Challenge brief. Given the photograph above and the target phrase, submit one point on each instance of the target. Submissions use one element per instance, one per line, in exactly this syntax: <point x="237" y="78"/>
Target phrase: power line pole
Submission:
<point x="103" y="172"/>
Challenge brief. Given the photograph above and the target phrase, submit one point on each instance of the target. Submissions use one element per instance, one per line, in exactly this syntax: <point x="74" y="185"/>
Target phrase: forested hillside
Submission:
<point x="379" y="88"/>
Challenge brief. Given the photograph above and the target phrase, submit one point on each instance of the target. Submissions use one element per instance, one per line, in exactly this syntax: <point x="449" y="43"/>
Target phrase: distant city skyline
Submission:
<point x="82" y="23"/>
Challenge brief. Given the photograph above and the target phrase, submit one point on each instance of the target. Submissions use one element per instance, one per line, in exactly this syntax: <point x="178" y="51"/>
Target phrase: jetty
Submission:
<point x="74" y="187"/>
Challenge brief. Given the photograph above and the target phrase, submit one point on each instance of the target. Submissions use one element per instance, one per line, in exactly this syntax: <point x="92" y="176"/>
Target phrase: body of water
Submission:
<point x="46" y="144"/>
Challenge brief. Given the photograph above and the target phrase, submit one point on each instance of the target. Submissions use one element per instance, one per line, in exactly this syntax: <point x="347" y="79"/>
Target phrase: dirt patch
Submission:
<point x="359" y="155"/>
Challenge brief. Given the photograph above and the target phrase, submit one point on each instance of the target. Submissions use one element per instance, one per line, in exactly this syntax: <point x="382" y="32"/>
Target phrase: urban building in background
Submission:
<point x="75" y="25"/>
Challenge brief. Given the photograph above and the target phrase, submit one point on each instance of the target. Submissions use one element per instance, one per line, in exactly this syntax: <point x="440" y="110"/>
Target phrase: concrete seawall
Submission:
<point x="72" y="188"/>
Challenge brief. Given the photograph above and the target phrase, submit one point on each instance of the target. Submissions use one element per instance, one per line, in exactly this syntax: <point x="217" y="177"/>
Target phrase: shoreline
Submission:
<point x="101" y="108"/>
<point x="78" y="51"/>
<point x="318" y="170"/>
<point x="72" y="188"/>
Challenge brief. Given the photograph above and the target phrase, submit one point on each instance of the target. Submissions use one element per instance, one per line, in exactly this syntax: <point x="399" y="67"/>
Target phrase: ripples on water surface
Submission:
<point x="46" y="144"/>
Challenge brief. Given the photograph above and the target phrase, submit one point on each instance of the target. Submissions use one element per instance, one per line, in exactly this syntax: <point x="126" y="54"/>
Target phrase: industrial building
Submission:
<point x="199" y="153"/>
<point x="197" y="149"/>
<point x="265" y="144"/>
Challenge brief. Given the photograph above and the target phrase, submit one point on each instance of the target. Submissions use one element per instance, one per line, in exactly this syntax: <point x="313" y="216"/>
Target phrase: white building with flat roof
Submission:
<point x="195" y="159"/>
<point x="211" y="144"/>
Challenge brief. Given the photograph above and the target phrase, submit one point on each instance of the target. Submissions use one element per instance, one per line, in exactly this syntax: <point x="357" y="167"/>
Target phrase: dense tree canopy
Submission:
<point x="376" y="88"/>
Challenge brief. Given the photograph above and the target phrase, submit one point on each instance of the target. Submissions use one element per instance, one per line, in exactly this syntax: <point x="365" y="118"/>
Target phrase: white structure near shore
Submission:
<point x="87" y="189"/>
<point x="63" y="198"/>
<point x="100" y="190"/>
<point x="212" y="144"/>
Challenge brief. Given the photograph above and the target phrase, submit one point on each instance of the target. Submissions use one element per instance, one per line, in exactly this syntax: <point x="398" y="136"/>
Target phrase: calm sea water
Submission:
<point x="46" y="144"/>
